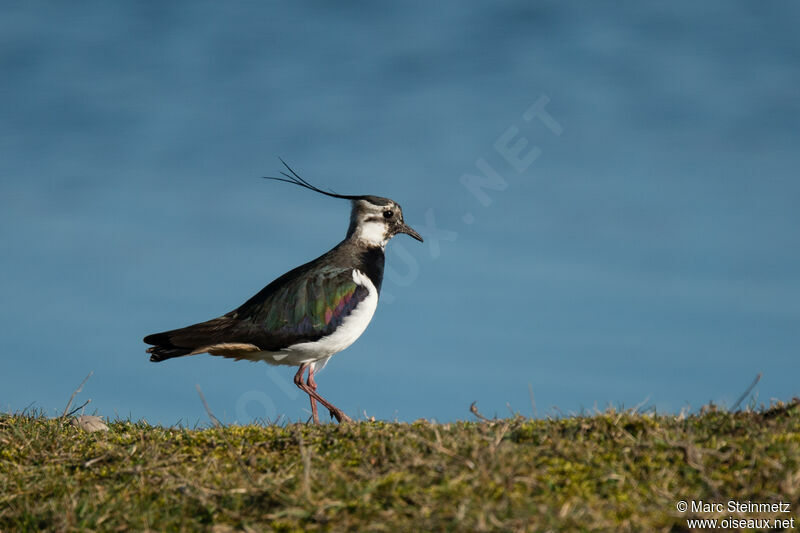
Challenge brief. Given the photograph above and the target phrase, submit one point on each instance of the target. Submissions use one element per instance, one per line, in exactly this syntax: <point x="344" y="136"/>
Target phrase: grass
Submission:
<point x="612" y="471"/>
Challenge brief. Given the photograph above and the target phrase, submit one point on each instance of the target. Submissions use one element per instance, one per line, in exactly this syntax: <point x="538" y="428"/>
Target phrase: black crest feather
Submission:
<point x="294" y="178"/>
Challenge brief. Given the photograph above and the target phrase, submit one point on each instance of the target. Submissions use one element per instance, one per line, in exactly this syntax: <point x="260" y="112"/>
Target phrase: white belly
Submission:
<point x="346" y="334"/>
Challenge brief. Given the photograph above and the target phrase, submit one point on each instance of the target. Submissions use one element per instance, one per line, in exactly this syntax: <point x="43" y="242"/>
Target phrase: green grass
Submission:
<point x="613" y="471"/>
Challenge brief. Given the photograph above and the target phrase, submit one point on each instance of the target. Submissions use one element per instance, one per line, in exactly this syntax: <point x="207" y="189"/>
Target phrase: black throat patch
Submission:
<point x="370" y="261"/>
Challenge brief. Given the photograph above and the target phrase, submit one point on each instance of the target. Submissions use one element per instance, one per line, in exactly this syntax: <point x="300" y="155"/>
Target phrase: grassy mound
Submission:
<point x="614" y="471"/>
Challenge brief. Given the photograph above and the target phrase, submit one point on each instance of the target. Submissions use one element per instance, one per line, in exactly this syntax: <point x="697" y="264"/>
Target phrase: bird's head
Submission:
<point x="373" y="219"/>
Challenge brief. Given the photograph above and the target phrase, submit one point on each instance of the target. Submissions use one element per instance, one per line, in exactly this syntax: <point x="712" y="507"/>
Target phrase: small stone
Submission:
<point x="89" y="423"/>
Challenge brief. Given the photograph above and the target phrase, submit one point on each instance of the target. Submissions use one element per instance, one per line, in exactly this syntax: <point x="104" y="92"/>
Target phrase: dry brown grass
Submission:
<point x="613" y="471"/>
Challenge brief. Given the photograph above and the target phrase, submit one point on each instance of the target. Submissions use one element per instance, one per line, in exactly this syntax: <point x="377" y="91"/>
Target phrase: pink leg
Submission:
<point x="313" y="384"/>
<point x="336" y="413"/>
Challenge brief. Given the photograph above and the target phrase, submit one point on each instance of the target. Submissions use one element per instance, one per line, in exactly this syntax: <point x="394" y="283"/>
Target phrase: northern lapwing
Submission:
<point x="308" y="314"/>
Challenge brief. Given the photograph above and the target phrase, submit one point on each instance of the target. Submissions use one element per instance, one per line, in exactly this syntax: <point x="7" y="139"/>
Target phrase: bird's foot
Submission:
<point x="339" y="415"/>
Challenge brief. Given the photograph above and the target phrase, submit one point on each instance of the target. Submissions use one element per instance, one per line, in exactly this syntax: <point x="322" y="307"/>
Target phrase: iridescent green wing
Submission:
<point x="299" y="307"/>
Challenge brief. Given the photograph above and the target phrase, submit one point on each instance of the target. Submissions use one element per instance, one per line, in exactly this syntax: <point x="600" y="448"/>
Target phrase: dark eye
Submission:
<point x="388" y="214"/>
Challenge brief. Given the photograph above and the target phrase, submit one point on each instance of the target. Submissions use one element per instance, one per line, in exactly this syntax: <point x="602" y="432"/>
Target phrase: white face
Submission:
<point x="372" y="224"/>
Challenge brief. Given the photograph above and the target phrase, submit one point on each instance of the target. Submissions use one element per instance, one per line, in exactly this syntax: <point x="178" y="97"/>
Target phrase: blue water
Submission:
<point x="648" y="255"/>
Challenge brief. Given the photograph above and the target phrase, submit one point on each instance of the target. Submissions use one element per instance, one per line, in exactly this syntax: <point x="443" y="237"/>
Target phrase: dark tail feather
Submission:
<point x="185" y="341"/>
<point x="162" y="353"/>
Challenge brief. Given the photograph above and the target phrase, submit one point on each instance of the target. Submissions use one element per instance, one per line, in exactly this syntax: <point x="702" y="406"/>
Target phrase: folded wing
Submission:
<point x="303" y="305"/>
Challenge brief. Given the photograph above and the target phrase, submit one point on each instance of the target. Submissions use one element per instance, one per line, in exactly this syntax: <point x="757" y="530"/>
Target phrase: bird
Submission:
<point x="310" y="313"/>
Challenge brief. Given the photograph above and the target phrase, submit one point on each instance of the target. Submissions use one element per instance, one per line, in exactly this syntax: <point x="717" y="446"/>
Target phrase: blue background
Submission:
<point x="648" y="256"/>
